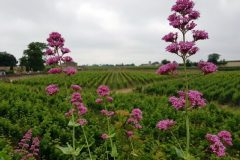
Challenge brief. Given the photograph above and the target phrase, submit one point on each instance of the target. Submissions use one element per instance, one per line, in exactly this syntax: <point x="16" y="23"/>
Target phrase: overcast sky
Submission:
<point x="116" y="31"/>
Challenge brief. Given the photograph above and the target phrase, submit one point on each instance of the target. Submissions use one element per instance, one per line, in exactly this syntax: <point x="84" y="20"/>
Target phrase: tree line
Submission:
<point x="32" y="58"/>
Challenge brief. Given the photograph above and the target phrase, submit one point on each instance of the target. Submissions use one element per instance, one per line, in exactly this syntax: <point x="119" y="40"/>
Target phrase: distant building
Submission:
<point x="151" y="64"/>
<point x="69" y="64"/>
<point x="4" y="70"/>
<point x="145" y="65"/>
<point x="235" y="63"/>
<point x="155" y="64"/>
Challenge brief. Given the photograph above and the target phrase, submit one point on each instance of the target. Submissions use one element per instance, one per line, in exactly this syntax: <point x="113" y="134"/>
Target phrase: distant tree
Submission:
<point x="155" y="63"/>
<point x="131" y="65"/>
<point x="7" y="59"/>
<point x="24" y="62"/>
<point x="213" y="58"/>
<point x="189" y="63"/>
<point x="165" y="61"/>
<point x="195" y="63"/>
<point x="33" y="56"/>
<point x="222" y="62"/>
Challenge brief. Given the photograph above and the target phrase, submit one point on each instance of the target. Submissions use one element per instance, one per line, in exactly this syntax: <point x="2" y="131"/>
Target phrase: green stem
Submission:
<point x="176" y="140"/>
<point x="186" y="108"/>
<point x="184" y="57"/>
<point x="106" y="149"/>
<point x="73" y="119"/>
<point x="73" y="138"/>
<point x="109" y="132"/>
<point x="89" y="152"/>
<point x="131" y="144"/>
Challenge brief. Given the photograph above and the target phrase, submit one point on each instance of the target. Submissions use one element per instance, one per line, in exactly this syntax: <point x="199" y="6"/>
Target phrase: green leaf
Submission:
<point x="188" y="157"/>
<point x="93" y="158"/>
<point x="112" y="135"/>
<point x="183" y="155"/>
<point x="69" y="150"/>
<point x="4" y="156"/>
<point x="77" y="151"/>
<point x="179" y="152"/>
<point x="73" y="123"/>
<point x="134" y="154"/>
<point x="66" y="150"/>
<point x="89" y="145"/>
<point x="114" y="152"/>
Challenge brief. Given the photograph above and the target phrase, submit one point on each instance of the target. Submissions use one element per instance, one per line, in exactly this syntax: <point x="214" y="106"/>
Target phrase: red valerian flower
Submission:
<point x="165" y="124"/>
<point x="52" y="89"/>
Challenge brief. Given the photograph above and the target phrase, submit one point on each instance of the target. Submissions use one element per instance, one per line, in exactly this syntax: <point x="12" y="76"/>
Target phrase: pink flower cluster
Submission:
<point x="67" y="59"/>
<point x="184" y="13"/>
<point x="99" y="101"/>
<point x="165" y="124"/>
<point x="107" y="113"/>
<point x="53" y="60"/>
<point x="194" y="97"/>
<point x="81" y="109"/>
<point x="135" y="118"/>
<point x="185" y="48"/>
<point x="168" y="68"/>
<point x="219" y="142"/>
<point x="207" y="67"/>
<point x="183" y="19"/>
<point x="28" y="146"/>
<point x="171" y="37"/>
<point x="134" y="121"/>
<point x="55" y="40"/>
<point x="52" y="89"/>
<point x="65" y="50"/>
<point x="76" y="87"/>
<point x="70" y="71"/>
<point x="103" y="91"/>
<point x="226" y="137"/>
<point x="78" y="106"/>
<point x="76" y="98"/>
<point x="199" y="35"/>
<point x="82" y="122"/>
<point x="56" y="43"/>
<point x="49" y="52"/>
<point x="104" y="136"/>
<point x="55" y="70"/>
<point x="183" y="6"/>
<point x="129" y="133"/>
<point x="173" y="48"/>
<point x="104" y="97"/>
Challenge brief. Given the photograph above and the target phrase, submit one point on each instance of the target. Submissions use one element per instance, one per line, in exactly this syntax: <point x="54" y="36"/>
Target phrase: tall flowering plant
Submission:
<point x="76" y="119"/>
<point x="56" y="57"/>
<point x="132" y="125"/>
<point x="183" y="19"/>
<point x="105" y="99"/>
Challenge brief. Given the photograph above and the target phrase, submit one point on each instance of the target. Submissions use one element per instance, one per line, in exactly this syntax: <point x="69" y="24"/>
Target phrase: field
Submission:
<point x="24" y="104"/>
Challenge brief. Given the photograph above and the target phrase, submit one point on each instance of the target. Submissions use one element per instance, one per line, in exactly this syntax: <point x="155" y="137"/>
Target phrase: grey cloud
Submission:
<point x="116" y="31"/>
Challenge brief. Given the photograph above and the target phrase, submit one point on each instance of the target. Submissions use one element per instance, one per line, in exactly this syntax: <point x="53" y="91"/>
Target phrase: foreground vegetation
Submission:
<point x="222" y="87"/>
<point x="25" y="105"/>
